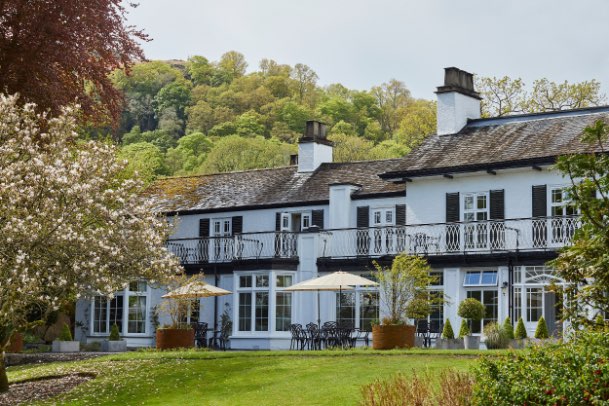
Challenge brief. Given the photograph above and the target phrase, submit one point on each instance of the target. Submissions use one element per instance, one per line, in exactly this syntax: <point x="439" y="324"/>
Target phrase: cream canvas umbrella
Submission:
<point x="196" y="290"/>
<point x="335" y="281"/>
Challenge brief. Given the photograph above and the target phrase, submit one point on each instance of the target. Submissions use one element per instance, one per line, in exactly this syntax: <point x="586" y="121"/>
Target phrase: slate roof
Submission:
<point x="512" y="141"/>
<point x="270" y="187"/>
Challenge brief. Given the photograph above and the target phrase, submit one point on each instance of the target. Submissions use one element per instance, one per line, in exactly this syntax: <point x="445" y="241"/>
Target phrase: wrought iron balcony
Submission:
<point x="233" y="248"/>
<point x="528" y="234"/>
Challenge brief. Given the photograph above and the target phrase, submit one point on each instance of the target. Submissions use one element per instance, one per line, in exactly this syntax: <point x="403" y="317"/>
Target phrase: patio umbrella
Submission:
<point x="195" y="290"/>
<point x="335" y="281"/>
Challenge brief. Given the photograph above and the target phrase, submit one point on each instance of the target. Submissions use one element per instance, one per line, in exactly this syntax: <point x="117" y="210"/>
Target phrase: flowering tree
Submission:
<point x="70" y="223"/>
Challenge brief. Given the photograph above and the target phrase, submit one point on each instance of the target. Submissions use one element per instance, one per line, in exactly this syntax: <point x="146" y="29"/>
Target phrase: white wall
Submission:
<point x="426" y="197"/>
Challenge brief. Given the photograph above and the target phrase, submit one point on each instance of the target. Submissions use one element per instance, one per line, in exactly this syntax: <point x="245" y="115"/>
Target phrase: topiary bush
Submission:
<point x="496" y="337"/>
<point x="521" y="331"/>
<point x="471" y="309"/>
<point x="541" y="332"/>
<point x="66" y="334"/>
<point x="447" y="331"/>
<point x="114" y="334"/>
<point x="573" y="373"/>
<point x="508" y="328"/>
<point x="464" y="329"/>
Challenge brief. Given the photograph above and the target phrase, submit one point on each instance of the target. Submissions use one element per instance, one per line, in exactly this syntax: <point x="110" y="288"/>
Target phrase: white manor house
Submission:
<point x="480" y="200"/>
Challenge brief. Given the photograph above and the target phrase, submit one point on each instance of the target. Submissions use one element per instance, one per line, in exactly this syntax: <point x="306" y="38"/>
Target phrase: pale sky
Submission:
<point x="361" y="43"/>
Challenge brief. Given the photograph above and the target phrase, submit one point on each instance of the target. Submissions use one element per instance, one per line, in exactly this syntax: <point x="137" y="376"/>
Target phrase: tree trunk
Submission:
<point x="3" y="377"/>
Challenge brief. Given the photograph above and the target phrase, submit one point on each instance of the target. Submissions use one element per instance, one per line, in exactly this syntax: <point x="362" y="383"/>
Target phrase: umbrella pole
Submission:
<point x="340" y="302"/>
<point x="188" y="320"/>
<point x="318" y="311"/>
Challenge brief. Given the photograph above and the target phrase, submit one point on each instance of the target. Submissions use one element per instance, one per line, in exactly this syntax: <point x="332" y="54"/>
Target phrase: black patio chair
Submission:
<point x="299" y="337"/>
<point x="330" y="334"/>
<point x="200" y="329"/>
<point x="422" y="331"/>
<point x="314" y="337"/>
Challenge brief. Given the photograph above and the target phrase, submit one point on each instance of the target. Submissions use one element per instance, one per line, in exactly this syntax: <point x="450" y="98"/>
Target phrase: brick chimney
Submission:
<point x="457" y="101"/>
<point x="314" y="148"/>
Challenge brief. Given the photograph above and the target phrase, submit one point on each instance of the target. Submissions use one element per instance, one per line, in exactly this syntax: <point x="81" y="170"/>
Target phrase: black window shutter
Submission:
<point x="452" y="207"/>
<point x="540" y="201"/>
<point x="204" y="228"/>
<point x="497" y="212"/>
<point x="400" y="215"/>
<point x="277" y="221"/>
<point x="237" y="224"/>
<point x="317" y="218"/>
<point x="497" y="204"/>
<point x="453" y="234"/>
<point x="363" y="216"/>
<point x="540" y="209"/>
<point x="362" y="239"/>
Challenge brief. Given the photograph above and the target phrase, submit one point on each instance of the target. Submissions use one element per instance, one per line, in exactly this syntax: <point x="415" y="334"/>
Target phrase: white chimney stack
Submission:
<point x="457" y="101"/>
<point x="314" y="148"/>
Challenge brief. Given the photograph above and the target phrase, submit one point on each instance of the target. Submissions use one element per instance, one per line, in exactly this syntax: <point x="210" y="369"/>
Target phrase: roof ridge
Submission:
<point x="225" y="173"/>
<point x="515" y="118"/>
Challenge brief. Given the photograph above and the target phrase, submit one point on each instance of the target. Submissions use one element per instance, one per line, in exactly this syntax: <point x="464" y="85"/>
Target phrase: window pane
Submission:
<point x="369" y="310"/>
<point x="100" y="315"/>
<point x="534" y="304"/>
<point x="245" y="281"/>
<point x="481" y="202"/>
<point x="283" y="281"/>
<point x="139" y="286"/>
<point x="439" y="278"/>
<point x="345" y="308"/>
<point x="468" y="217"/>
<point x="262" y="281"/>
<point x="472" y="278"/>
<point x="556" y="195"/>
<point x="489" y="278"/>
<point x="469" y="202"/>
<point x="481" y="216"/>
<point x="306" y="221"/>
<point x="216" y="227"/>
<point x="389" y="216"/>
<point x="245" y="311"/>
<point x="517" y="305"/>
<point x="116" y="312"/>
<point x="226" y="227"/>
<point x="436" y="317"/>
<point x="137" y="314"/>
<point x="377" y="217"/>
<point x="262" y="311"/>
<point x="283" y="311"/>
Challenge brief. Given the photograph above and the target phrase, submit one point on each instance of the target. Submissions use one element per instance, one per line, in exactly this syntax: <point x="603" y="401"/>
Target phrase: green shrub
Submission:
<point x="521" y="332"/>
<point x="91" y="347"/>
<point x="464" y="329"/>
<point x="573" y="373"/>
<point x="114" y="334"/>
<point x="471" y="309"/>
<point x="508" y="328"/>
<point x="496" y="337"/>
<point x="66" y="334"/>
<point x="447" y="331"/>
<point x="541" y="332"/>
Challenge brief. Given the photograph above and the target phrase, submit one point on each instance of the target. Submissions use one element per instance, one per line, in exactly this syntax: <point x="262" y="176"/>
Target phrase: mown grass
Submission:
<point x="240" y="378"/>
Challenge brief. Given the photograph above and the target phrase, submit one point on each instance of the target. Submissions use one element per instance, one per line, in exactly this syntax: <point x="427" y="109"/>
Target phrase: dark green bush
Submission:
<point x="508" y="327"/>
<point x="66" y="334"/>
<point x="541" y="332"/>
<point x="521" y="331"/>
<point x="471" y="309"/>
<point x="447" y="331"/>
<point x="464" y="329"/>
<point x="574" y="373"/>
<point x="114" y="334"/>
<point x="496" y="337"/>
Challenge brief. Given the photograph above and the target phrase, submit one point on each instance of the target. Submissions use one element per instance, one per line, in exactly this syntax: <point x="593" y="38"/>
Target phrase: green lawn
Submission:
<point x="239" y="378"/>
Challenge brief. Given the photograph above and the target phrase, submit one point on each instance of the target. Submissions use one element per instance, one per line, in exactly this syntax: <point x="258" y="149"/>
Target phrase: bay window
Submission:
<point x="263" y="305"/>
<point x="128" y="309"/>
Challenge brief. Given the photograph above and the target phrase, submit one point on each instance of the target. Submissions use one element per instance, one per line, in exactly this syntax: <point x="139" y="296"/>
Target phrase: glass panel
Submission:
<point x="468" y="217"/>
<point x="436" y="317"/>
<point x="262" y="281"/>
<point x="472" y="278"/>
<point x="491" y="302"/>
<point x="556" y="195"/>
<point x="245" y="281"/>
<point x="369" y="310"/>
<point x="284" y="281"/>
<point x="137" y="314"/>
<point x="469" y="202"/>
<point x="345" y="308"/>
<point x="534" y="304"/>
<point x="439" y="278"/>
<point x="377" y="217"/>
<point x="481" y="216"/>
<point x="517" y="305"/>
<point x="245" y="311"/>
<point x="283" y="311"/>
<point x="116" y="312"/>
<point x="389" y="216"/>
<point x="489" y="278"/>
<point x="216" y="228"/>
<point x="306" y="221"/>
<point x="100" y="315"/>
<point x="262" y="311"/>
<point x="481" y="202"/>
<point x="226" y="227"/>
<point x="139" y="286"/>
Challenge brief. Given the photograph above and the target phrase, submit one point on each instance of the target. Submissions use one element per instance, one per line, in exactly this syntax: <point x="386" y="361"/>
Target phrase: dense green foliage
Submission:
<point x="114" y="333"/>
<point x="496" y="336"/>
<point x="508" y="328"/>
<point x="464" y="329"/>
<point x="573" y="373"/>
<point x="253" y="120"/>
<point x="471" y="309"/>
<point x="585" y="263"/>
<point x="521" y="331"/>
<point x="447" y="331"/>
<point x="66" y="334"/>
<point x="541" y="332"/>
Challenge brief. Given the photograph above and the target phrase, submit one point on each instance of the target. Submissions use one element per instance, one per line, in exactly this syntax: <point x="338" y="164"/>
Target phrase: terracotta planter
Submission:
<point x="16" y="344"/>
<point x="388" y="337"/>
<point x="168" y="338"/>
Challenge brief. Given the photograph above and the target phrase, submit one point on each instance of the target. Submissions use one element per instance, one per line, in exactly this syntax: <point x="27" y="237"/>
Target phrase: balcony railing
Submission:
<point x="232" y="248"/>
<point x="530" y="234"/>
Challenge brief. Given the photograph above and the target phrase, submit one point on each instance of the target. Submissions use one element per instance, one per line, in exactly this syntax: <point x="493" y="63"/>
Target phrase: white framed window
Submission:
<point x="480" y="278"/>
<point x="490" y="299"/>
<point x="380" y="217"/>
<point x="222" y="227"/>
<point x="128" y="309"/>
<point x="296" y="221"/>
<point x="283" y="303"/>
<point x="475" y="209"/>
<point x="561" y="203"/>
<point x="358" y="308"/>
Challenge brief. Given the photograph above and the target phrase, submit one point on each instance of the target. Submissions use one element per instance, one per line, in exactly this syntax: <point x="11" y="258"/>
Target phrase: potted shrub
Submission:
<point x="495" y="337"/>
<point x="448" y="341"/>
<point x="418" y="309"/>
<point x="520" y="335"/>
<point x="114" y="342"/>
<point x="65" y="343"/>
<point x="471" y="310"/>
<point x="406" y="280"/>
<point x="541" y="332"/>
<point x="508" y="328"/>
<point x="176" y="334"/>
